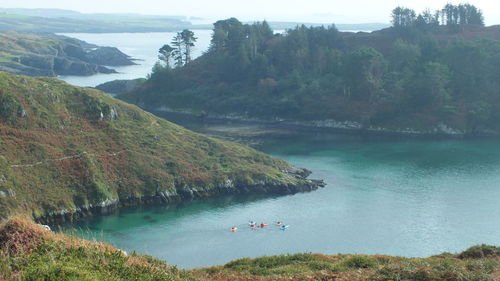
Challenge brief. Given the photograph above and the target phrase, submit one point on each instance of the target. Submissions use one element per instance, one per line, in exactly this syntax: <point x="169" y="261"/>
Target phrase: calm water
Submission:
<point x="397" y="197"/>
<point x="141" y="46"/>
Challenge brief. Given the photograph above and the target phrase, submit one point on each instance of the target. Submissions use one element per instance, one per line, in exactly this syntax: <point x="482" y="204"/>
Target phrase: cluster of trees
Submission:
<point x="315" y="73"/>
<point x="450" y="15"/>
<point x="180" y="51"/>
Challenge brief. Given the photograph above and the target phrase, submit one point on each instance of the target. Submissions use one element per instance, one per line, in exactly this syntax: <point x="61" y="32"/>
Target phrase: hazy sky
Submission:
<point x="339" y="11"/>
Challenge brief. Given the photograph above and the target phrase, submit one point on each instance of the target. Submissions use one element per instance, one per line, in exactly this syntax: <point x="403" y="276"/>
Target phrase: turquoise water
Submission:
<point x="396" y="197"/>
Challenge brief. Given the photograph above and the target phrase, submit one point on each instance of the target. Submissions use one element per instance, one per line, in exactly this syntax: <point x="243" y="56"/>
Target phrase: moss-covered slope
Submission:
<point x="29" y="252"/>
<point x="67" y="151"/>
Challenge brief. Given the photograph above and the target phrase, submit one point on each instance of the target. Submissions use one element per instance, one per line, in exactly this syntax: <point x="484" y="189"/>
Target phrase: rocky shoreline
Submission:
<point x="60" y="55"/>
<point x="187" y="193"/>
<point x="332" y="126"/>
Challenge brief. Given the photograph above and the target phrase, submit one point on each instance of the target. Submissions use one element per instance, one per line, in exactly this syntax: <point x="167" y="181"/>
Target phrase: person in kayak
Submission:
<point x="262" y="225"/>
<point x="284" y="227"/>
<point x="252" y="224"/>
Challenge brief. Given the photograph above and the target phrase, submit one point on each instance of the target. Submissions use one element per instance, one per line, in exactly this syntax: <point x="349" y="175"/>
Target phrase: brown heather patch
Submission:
<point x="18" y="236"/>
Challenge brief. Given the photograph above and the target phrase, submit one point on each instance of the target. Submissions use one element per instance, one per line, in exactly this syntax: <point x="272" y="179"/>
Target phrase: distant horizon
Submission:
<point x="314" y="11"/>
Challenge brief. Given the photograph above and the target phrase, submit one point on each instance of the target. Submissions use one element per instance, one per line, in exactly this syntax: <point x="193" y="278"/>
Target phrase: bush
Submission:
<point x="360" y="262"/>
<point x="481" y="251"/>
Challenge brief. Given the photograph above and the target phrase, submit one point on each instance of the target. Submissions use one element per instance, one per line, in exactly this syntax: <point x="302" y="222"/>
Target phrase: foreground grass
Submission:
<point x="29" y="252"/>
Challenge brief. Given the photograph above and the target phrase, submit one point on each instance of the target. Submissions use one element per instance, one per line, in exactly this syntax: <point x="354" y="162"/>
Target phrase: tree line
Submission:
<point x="386" y="78"/>
<point x="450" y="15"/>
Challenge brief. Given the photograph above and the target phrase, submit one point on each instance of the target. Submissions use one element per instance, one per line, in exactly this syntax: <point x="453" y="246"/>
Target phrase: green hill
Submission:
<point x="67" y="152"/>
<point x="29" y="252"/>
<point x="426" y="79"/>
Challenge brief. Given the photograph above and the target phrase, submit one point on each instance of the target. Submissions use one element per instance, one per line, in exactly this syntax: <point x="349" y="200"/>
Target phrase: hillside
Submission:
<point x="65" y="21"/>
<point x="431" y="80"/>
<point x="29" y="252"/>
<point x="67" y="152"/>
<point x="50" y="55"/>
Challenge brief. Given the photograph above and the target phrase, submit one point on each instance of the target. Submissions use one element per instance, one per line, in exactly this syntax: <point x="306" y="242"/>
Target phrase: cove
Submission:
<point x="406" y="197"/>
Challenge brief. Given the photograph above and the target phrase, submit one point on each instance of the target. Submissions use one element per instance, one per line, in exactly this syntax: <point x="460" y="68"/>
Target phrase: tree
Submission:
<point x="188" y="41"/>
<point x="364" y="71"/>
<point x="177" y="53"/>
<point x="403" y="17"/>
<point x="166" y="54"/>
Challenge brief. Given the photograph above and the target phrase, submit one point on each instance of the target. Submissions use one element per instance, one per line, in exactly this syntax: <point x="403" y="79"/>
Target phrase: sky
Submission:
<point x="321" y="11"/>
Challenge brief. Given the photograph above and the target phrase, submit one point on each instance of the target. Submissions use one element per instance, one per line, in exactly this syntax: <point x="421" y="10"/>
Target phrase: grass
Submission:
<point x="78" y="147"/>
<point x="29" y="252"/>
<point x="445" y="267"/>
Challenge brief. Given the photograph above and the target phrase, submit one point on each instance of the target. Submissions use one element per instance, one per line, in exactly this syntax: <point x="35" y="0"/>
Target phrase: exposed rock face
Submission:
<point x="186" y="193"/>
<point x="110" y="56"/>
<point x="51" y="55"/>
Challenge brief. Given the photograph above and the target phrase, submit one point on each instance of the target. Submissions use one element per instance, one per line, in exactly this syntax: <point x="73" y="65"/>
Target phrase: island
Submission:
<point x="432" y="74"/>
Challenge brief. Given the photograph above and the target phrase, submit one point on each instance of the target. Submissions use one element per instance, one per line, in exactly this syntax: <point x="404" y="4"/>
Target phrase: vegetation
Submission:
<point x="50" y="55"/>
<point x="416" y="76"/>
<point x="445" y="267"/>
<point x="451" y="15"/>
<point x="64" y="149"/>
<point x="182" y="44"/>
<point x="56" y="21"/>
<point x="29" y="252"/>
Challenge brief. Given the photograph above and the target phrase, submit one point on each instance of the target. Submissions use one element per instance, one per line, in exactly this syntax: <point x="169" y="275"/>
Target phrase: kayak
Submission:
<point x="284" y="227"/>
<point x="263" y="225"/>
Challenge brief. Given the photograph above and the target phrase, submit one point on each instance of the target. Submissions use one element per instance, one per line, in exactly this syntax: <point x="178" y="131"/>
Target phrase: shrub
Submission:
<point x="480" y="251"/>
<point x="360" y="262"/>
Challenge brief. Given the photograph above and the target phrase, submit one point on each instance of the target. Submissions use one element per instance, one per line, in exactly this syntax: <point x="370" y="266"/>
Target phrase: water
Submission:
<point x="396" y="197"/>
<point x="141" y="46"/>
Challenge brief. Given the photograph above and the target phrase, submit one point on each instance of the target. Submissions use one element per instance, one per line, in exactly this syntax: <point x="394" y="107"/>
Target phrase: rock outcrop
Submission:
<point x="51" y="55"/>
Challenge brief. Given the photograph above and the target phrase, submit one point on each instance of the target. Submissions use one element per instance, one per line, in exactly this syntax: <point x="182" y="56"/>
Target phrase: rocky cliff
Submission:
<point x="46" y="54"/>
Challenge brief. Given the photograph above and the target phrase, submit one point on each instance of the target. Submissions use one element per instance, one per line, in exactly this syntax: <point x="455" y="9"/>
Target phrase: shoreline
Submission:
<point x="321" y="126"/>
<point x="185" y="194"/>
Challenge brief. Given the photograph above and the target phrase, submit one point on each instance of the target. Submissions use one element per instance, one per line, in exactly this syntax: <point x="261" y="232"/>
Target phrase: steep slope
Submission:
<point x="67" y="151"/>
<point x="29" y="252"/>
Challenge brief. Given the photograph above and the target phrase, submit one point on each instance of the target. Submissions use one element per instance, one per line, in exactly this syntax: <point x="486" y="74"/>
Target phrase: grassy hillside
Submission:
<point x="67" y="151"/>
<point x="29" y="252"/>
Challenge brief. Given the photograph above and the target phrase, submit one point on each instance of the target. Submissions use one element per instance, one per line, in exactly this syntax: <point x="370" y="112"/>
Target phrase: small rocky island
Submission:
<point x="46" y="54"/>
